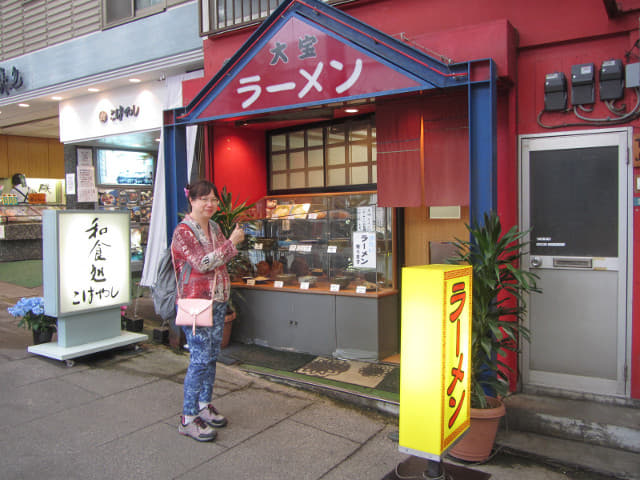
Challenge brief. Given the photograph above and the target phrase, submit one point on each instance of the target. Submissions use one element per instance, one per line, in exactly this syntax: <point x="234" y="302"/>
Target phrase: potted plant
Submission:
<point x="227" y="216"/>
<point x="31" y="311"/>
<point x="500" y="290"/>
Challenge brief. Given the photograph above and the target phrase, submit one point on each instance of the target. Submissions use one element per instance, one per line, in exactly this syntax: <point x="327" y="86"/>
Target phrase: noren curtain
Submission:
<point x="423" y="152"/>
<point x="398" y="155"/>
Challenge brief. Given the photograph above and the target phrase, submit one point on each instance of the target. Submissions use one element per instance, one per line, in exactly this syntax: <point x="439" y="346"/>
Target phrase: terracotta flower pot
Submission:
<point x="476" y="445"/>
<point x="228" y="325"/>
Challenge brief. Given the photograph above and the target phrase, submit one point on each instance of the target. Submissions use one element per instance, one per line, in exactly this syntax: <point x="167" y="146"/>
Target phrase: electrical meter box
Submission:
<point x="582" y="84"/>
<point x="611" y="80"/>
<point x="555" y="92"/>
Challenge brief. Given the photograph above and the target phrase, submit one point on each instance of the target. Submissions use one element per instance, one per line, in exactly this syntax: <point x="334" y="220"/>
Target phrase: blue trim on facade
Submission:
<point x="103" y="51"/>
<point x="483" y="169"/>
<point x="175" y="147"/>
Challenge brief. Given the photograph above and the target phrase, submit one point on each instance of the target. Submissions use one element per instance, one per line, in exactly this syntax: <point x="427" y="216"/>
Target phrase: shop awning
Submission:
<point x="309" y="54"/>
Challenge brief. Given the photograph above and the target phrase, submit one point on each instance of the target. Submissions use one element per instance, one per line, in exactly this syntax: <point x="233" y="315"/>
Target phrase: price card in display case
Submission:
<point x="304" y="285"/>
<point x="251" y="281"/>
<point x="334" y="287"/>
<point x="278" y="284"/>
<point x="257" y="246"/>
<point x="361" y="289"/>
<point x="332" y="249"/>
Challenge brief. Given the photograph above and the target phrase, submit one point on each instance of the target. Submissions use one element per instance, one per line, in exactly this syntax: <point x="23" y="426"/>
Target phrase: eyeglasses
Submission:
<point x="207" y="199"/>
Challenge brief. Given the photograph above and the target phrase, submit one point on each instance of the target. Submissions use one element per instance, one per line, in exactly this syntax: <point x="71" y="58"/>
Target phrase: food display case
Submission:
<point x="316" y="274"/>
<point x="337" y="243"/>
<point x="21" y="231"/>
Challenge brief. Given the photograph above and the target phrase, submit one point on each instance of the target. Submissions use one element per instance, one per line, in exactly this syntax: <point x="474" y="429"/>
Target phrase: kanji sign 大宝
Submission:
<point x="302" y="64"/>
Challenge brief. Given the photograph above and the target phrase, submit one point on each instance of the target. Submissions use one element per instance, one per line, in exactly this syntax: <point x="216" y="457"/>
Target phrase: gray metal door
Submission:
<point x="574" y="197"/>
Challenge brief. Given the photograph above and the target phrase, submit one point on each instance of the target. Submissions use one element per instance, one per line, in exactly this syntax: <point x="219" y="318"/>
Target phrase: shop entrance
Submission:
<point x="574" y="198"/>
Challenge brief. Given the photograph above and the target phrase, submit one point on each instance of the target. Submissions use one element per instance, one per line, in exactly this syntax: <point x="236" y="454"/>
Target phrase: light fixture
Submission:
<point x="555" y="92"/>
<point x="135" y="80"/>
<point x="582" y="84"/>
<point x="93" y="89"/>
<point x="351" y="110"/>
<point x="157" y="139"/>
<point x="56" y="98"/>
<point x="24" y="105"/>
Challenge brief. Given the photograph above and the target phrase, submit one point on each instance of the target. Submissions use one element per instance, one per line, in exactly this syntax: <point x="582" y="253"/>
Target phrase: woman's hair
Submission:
<point x="200" y="189"/>
<point x="17" y="179"/>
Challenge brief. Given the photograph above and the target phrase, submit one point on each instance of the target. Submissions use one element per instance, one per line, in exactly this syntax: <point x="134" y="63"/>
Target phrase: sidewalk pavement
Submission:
<point x="114" y="415"/>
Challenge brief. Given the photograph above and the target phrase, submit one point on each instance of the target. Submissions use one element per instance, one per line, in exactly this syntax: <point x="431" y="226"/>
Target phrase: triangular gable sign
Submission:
<point x="293" y="61"/>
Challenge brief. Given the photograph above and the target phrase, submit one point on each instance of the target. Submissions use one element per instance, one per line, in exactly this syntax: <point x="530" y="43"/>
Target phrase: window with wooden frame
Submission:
<point x="328" y="157"/>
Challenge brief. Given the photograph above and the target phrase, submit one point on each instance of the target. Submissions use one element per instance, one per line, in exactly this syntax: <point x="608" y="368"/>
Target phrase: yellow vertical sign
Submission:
<point x="435" y="358"/>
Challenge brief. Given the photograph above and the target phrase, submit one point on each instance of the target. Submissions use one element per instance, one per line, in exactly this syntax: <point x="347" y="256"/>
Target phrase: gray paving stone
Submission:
<point x="160" y="362"/>
<point x="285" y="451"/>
<point x="39" y="399"/>
<point x="344" y="422"/>
<point x="157" y="451"/>
<point x="373" y="460"/>
<point x="89" y="425"/>
<point x="32" y="369"/>
<point x="106" y="381"/>
<point x="252" y="410"/>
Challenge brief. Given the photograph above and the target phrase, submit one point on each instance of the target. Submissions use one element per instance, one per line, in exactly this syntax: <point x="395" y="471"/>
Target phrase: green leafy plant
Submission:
<point x="31" y="311"/>
<point x="229" y="214"/>
<point x="500" y="290"/>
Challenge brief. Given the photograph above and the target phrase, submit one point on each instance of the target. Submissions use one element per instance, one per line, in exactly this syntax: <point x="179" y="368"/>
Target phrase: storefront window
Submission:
<point x="333" y="155"/>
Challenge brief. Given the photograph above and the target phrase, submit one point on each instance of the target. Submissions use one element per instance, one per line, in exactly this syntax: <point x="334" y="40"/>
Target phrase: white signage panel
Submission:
<point x="364" y="249"/>
<point x="129" y="109"/>
<point x="94" y="260"/>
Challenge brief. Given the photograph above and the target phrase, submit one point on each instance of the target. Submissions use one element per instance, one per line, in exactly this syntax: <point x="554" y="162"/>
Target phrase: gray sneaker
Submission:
<point x="197" y="430"/>
<point x="212" y="417"/>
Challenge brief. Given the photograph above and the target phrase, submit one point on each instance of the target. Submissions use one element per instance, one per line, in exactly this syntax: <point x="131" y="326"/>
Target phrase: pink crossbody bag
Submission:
<point x="194" y="312"/>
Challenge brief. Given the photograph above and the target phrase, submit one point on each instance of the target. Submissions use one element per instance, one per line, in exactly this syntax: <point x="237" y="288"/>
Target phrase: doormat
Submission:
<point x="265" y="357"/>
<point x="413" y="468"/>
<point x="26" y="273"/>
<point x="347" y="371"/>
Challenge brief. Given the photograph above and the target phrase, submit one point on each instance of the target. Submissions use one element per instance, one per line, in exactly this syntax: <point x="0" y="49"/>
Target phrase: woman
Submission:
<point x="199" y="242"/>
<point x="20" y="188"/>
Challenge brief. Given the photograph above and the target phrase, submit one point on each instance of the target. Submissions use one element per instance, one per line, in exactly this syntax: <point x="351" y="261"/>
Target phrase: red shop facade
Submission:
<point x="350" y="112"/>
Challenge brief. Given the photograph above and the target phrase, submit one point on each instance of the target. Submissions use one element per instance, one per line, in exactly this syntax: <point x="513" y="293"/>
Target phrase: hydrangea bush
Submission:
<point x="31" y="311"/>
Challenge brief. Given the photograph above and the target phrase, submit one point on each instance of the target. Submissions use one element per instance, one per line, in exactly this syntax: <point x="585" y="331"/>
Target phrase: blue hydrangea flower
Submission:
<point x="31" y="311"/>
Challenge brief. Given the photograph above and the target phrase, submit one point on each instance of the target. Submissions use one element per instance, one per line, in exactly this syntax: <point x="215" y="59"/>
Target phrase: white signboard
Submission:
<point x="87" y="191"/>
<point x="85" y="157"/>
<point x="364" y="249"/>
<point x="366" y="218"/>
<point x="94" y="260"/>
<point x="71" y="183"/>
<point x="123" y="110"/>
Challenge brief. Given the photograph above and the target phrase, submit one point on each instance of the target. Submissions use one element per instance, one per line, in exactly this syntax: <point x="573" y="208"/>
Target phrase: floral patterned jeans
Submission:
<point x="204" y="347"/>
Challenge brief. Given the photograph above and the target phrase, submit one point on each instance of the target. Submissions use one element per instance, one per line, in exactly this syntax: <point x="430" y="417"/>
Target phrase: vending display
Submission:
<point x="125" y="182"/>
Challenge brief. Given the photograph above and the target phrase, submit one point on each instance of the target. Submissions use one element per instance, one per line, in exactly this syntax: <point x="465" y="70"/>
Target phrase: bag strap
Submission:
<point x="186" y="275"/>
